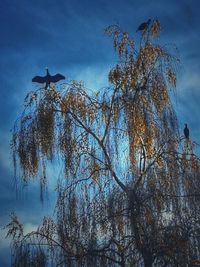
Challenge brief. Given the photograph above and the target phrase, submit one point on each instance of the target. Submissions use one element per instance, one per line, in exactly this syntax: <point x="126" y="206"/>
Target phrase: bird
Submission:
<point x="186" y="132"/>
<point x="48" y="78"/>
<point x="144" y="25"/>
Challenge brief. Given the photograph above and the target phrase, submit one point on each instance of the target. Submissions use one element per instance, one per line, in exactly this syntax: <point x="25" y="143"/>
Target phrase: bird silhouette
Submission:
<point x="186" y="132"/>
<point x="48" y="78"/>
<point x="144" y="25"/>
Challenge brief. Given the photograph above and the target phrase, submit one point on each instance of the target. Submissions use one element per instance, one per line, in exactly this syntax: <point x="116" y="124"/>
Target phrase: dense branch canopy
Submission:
<point x="131" y="182"/>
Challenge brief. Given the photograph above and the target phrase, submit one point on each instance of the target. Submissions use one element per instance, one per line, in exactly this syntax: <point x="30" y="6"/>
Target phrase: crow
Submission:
<point x="144" y="25"/>
<point x="186" y="132"/>
<point x="48" y="78"/>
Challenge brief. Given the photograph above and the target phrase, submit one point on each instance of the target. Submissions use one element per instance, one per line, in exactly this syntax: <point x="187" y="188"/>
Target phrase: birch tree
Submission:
<point x="130" y="189"/>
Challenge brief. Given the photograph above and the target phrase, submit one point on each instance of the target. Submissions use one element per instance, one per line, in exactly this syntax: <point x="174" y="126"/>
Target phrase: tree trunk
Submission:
<point x="148" y="260"/>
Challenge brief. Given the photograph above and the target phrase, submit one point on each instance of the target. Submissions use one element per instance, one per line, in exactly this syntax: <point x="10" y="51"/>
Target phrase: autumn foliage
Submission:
<point x="130" y="189"/>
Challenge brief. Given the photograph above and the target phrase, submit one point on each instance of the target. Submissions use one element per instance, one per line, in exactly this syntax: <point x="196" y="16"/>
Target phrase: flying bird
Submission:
<point x="144" y="25"/>
<point x="186" y="132"/>
<point x="48" y="78"/>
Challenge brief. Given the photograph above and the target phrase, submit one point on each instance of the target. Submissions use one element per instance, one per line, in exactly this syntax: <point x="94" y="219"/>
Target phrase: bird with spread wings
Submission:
<point x="48" y="78"/>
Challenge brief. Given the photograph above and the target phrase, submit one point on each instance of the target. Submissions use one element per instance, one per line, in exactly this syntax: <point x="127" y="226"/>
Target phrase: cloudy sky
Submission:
<point x="67" y="36"/>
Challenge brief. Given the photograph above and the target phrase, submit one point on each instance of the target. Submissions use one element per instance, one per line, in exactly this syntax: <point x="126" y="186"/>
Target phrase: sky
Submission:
<point x="68" y="37"/>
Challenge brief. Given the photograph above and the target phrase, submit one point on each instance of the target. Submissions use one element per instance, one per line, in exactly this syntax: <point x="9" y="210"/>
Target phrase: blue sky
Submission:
<point x="67" y="36"/>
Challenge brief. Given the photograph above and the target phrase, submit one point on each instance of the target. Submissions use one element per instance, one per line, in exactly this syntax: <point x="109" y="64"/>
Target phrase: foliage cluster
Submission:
<point x="130" y="193"/>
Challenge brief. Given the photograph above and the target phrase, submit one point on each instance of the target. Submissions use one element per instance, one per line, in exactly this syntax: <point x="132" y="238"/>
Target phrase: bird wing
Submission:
<point x="186" y="132"/>
<point x="39" y="79"/>
<point x="57" y="77"/>
<point x="142" y="26"/>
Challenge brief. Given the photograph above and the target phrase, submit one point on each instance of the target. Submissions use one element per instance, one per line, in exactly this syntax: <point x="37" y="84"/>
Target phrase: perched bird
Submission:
<point x="144" y="25"/>
<point x="48" y="78"/>
<point x="186" y="132"/>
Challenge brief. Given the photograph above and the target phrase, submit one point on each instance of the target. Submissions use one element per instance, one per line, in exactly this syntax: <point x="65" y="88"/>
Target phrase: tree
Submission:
<point x="129" y="196"/>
